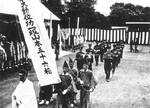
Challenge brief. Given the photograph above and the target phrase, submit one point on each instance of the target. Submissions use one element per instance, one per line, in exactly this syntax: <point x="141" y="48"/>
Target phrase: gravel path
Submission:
<point x="128" y="88"/>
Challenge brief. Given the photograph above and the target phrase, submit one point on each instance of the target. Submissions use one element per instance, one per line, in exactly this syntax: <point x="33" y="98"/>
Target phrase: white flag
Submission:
<point x="38" y="44"/>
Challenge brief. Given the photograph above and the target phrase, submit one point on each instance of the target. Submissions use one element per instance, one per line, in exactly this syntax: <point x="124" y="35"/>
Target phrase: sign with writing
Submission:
<point x="38" y="44"/>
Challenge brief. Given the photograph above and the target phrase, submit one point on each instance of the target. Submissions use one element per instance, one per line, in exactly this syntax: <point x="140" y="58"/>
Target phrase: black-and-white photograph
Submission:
<point x="74" y="54"/>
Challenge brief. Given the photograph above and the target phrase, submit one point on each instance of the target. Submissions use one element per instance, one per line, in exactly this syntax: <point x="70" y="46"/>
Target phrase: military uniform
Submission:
<point x="80" y="58"/>
<point x="88" y="59"/>
<point x="131" y="46"/>
<point x="119" y="50"/>
<point x="114" y="60"/>
<point x="97" y="53"/>
<point x="136" y="45"/>
<point x="57" y="50"/>
<point x="107" y="64"/>
<point x="102" y="51"/>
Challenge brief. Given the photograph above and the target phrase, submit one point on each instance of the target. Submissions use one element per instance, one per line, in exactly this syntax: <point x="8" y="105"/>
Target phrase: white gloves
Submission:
<point x="81" y="82"/>
<point x="64" y="92"/>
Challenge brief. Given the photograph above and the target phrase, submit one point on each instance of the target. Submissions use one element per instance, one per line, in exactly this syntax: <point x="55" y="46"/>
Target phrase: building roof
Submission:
<point x="138" y="23"/>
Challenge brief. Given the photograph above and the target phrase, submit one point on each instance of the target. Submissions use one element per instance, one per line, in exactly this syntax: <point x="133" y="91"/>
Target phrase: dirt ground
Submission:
<point x="128" y="88"/>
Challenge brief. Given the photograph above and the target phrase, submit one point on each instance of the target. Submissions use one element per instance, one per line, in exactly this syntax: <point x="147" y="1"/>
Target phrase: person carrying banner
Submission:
<point x="97" y="53"/>
<point x="87" y="85"/>
<point x="24" y="94"/>
<point x="107" y="63"/>
<point x="79" y="58"/>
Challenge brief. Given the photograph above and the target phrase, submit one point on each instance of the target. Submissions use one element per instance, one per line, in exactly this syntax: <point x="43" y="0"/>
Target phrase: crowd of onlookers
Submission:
<point x="12" y="53"/>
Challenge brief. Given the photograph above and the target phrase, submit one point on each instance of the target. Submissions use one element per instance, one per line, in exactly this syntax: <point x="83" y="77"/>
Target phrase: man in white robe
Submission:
<point x="24" y="94"/>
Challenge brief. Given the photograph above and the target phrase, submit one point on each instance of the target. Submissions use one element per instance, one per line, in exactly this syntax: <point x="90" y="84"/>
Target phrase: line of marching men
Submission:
<point x="82" y="78"/>
<point x="108" y="53"/>
<point x="72" y="81"/>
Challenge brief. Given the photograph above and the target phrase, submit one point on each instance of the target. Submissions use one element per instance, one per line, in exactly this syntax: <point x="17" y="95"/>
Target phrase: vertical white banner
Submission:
<point x="98" y="37"/>
<point x="146" y="37"/>
<point x="101" y="35"/>
<point x="92" y="34"/>
<point x="143" y="37"/>
<point x="111" y="37"/>
<point x="38" y="44"/>
<point x="104" y="34"/>
<point x="108" y="35"/>
<point x="121" y="36"/>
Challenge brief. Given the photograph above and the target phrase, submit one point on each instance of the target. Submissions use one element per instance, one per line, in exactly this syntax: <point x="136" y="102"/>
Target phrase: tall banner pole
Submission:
<point x="77" y="30"/>
<point x="78" y="21"/>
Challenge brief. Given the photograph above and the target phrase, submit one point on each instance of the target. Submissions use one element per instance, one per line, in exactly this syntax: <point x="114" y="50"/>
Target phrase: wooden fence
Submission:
<point x="111" y="35"/>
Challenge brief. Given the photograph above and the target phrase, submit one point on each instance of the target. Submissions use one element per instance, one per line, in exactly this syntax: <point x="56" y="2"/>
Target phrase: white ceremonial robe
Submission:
<point x="25" y="95"/>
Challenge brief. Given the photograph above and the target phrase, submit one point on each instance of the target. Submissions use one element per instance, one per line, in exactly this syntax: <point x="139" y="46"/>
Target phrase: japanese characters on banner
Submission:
<point x="37" y="41"/>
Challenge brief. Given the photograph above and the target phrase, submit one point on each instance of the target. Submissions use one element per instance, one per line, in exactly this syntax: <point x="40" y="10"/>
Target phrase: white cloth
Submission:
<point x="25" y="95"/>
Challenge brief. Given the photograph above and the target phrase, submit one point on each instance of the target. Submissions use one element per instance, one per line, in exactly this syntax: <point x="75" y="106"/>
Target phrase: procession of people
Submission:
<point x="75" y="80"/>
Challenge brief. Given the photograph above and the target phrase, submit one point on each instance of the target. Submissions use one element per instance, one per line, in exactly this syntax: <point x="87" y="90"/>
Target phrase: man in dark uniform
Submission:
<point x="102" y="49"/>
<point x="106" y="45"/>
<point x="88" y="84"/>
<point x="79" y="58"/>
<point x="131" y="46"/>
<point x="136" y="45"/>
<point x="97" y="53"/>
<point x="114" y="60"/>
<point x="89" y="49"/>
<point x="107" y="63"/>
<point x="89" y="59"/>
<point x="57" y="50"/>
<point x="119" y="51"/>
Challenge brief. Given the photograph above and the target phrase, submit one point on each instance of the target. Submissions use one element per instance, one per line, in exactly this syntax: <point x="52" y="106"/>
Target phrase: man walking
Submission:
<point x="79" y="58"/>
<point x="97" y="53"/>
<point x="107" y="63"/>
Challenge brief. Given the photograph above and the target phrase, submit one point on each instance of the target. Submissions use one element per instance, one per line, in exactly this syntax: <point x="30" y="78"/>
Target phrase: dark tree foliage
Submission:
<point x="84" y="9"/>
<point x="121" y="13"/>
<point x="88" y="17"/>
<point x="55" y="6"/>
